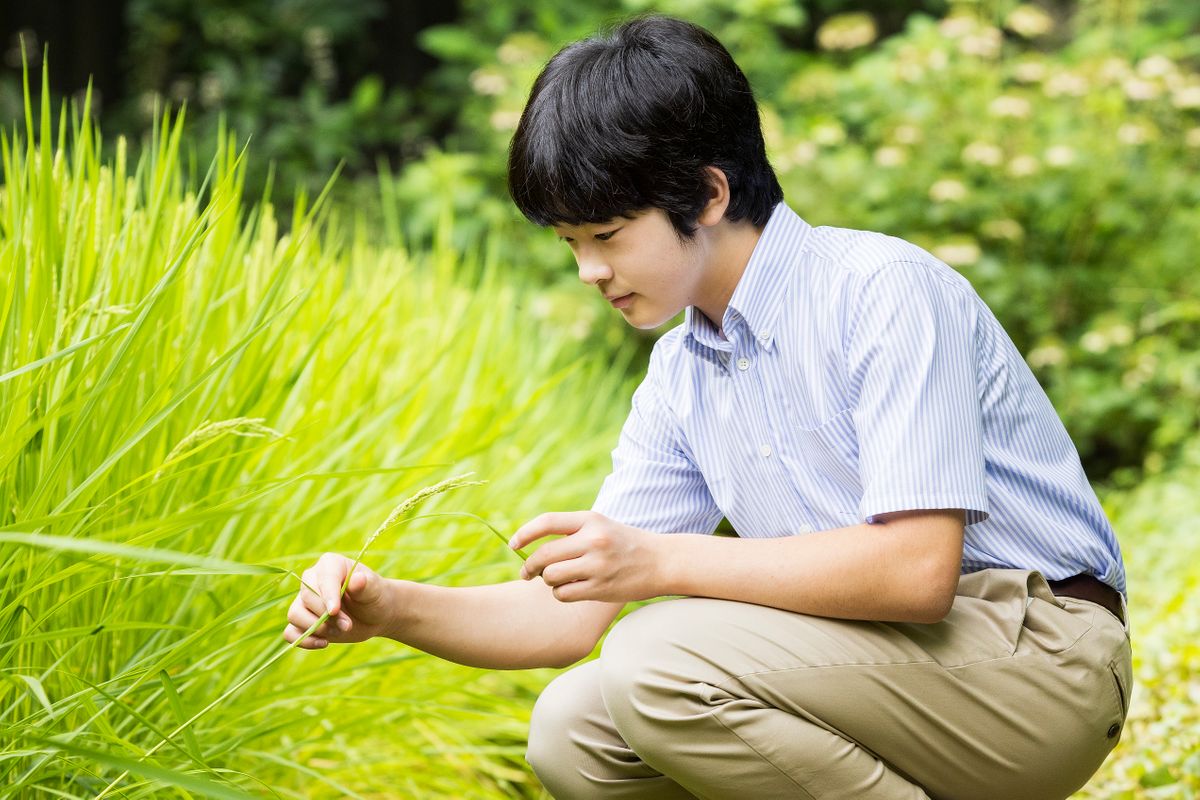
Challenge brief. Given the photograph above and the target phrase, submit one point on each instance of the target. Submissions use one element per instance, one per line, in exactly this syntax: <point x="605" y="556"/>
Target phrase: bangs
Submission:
<point x="570" y="161"/>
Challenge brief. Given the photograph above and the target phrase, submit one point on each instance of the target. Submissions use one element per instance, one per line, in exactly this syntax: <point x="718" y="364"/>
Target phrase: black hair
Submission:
<point x="629" y="119"/>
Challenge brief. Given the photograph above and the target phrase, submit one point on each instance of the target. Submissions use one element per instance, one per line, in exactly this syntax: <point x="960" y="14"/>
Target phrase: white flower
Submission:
<point x="1155" y="66"/>
<point x="829" y="133"/>
<point x="804" y="152"/>
<point x="1008" y="229"/>
<point x="1114" y="69"/>
<point x="1187" y="97"/>
<point x="890" y="156"/>
<point x="958" y="254"/>
<point x="947" y="190"/>
<point x="1023" y="165"/>
<point x="517" y="50"/>
<point x="487" y="82"/>
<point x="1132" y="133"/>
<point x="1060" y="155"/>
<point x="1094" y="342"/>
<point x="982" y="153"/>
<point x="984" y="44"/>
<point x="502" y="120"/>
<point x="907" y="134"/>
<point x="1007" y="105"/>
<point x="909" y="72"/>
<point x="956" y="25"/>
<point x="847" y="31"/>
<point x="1067" y="83"/>
<point x="1029" y="21"/>
<point x="1029" y="71"/>
<point x="1120" y="334"/>
<point x="1046" y="355"/>
<point x="1138" y="89"/>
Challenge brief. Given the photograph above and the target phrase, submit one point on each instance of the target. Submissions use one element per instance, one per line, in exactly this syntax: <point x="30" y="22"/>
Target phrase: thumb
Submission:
<point x="364" y="586"/>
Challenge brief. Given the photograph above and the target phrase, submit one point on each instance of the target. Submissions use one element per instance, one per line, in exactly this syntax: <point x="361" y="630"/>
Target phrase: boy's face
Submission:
<point x="639" y="263"/>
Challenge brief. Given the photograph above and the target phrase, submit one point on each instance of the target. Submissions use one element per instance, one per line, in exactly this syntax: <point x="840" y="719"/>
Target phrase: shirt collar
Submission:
<point x="759" y="293"/>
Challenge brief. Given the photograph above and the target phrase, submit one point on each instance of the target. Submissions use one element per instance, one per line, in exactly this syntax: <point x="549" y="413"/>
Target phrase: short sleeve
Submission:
<point x="911" y="360"/>
<point x="655" y="484"/>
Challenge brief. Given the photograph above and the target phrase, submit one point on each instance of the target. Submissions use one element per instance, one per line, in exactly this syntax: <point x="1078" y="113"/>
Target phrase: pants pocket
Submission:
<point x="1122" y="676"/>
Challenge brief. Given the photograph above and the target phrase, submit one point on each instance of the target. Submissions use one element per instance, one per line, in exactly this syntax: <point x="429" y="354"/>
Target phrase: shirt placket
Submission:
<point x="748" y="370"/>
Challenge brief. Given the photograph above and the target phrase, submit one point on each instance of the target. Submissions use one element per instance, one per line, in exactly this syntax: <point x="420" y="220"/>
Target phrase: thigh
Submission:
<point x="1010" y="695"/>
<point x="576" y="752"/>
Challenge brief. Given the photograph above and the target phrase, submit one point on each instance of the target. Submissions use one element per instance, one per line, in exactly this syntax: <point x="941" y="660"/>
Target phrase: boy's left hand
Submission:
<point x="600" y="558"/>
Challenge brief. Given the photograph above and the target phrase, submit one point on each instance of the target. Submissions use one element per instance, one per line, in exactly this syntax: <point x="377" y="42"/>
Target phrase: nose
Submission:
<point x="592" y="270"/>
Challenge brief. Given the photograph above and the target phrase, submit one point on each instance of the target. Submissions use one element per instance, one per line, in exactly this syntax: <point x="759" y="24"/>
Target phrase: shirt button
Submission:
<point x="765" y="450"/>
<point x="764" y="336"/>
<point x="743" y="364"/>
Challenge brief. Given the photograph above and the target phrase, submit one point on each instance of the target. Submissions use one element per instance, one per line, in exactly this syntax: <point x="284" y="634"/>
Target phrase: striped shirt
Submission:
<point x="857" y="375"/>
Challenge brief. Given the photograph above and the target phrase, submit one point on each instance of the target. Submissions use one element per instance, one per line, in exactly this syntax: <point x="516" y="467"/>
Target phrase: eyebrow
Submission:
<point x="597" y="233"/>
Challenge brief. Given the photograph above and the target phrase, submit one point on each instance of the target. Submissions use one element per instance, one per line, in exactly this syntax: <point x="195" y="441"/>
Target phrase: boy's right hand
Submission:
<point x="364" y="611"/>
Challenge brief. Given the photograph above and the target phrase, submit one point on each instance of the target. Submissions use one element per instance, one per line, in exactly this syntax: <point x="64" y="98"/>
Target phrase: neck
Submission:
<point x="730" y="246"/>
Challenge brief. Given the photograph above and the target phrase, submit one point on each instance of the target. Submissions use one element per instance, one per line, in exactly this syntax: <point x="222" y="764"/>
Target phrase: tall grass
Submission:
<point x="193" y="406"/>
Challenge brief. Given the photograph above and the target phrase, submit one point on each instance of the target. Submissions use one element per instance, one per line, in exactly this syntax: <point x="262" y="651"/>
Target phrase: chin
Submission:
<point x="648" y="319"/>
<point x="647" y="323"/>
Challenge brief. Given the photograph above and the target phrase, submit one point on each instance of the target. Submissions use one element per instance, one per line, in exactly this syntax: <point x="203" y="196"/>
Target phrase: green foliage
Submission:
<point x="284" y="73"/>
<point x="1159" y="752"/>
<point x="1063" y="185"/>
<point x="193" y="406"/>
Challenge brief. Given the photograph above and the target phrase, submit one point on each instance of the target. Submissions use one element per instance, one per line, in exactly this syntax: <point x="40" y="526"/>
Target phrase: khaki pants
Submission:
<point x="1017" y="693"/>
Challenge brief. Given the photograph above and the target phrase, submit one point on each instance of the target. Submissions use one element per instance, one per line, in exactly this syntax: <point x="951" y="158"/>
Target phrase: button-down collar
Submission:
<point x="759" y="293"/>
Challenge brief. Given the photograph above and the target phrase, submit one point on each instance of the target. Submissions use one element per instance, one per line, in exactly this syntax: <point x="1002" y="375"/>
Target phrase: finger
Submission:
<point x="311" y="600"/>
<point x="564" y="572"/>
<point x="333" y="572"/>
<point x="548" y="524"/>
<point x="573" y="592"/>
<point x="291" y="633"/>
<point x="303" y="619"/>
<point x="549" y="554"/>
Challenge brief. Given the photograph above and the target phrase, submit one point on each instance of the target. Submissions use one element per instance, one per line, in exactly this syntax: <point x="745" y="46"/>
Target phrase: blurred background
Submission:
<point x="1047" y="150"/>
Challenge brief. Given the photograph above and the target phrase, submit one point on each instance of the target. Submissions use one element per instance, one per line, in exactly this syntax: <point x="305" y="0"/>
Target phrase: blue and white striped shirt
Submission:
<point x="860" y="375"/>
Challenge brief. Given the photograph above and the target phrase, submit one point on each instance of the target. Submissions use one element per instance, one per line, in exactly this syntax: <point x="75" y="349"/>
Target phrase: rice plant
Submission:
<point x="195" y="402"/>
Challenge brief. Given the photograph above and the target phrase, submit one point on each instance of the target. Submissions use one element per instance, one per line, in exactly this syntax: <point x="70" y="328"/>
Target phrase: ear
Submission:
<point x="718" y="197"/>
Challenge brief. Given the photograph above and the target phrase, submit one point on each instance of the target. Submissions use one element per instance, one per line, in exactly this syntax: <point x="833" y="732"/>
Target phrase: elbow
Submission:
<point x="936" y="595"/>
<point x="571" y="660"/>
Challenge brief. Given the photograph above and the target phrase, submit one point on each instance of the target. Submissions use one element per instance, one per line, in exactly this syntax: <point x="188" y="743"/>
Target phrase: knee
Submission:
<point x="640" y="673"/>
<point x="559" y="711"/>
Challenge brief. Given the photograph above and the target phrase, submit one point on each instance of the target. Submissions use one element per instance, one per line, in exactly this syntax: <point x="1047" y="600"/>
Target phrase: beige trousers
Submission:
<point x="1017" y="693"/>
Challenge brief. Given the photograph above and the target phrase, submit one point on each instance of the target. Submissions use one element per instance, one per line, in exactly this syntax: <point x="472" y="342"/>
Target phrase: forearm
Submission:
<point x="513" y="625"/>
<point x="876" y="572"/>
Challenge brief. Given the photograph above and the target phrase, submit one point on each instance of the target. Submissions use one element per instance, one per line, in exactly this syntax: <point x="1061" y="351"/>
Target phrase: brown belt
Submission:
<point x="1088" y="587"/>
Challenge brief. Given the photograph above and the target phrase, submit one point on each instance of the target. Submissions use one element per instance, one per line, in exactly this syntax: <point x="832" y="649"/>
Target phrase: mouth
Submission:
<point x="620" y="301"/>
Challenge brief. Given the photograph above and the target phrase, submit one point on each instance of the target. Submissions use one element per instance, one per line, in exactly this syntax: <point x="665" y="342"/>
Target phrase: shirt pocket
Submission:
<point x="830" y="453"/>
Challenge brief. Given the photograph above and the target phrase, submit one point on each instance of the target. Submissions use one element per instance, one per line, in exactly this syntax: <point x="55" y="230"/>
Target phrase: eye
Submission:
<point x="604" y="237"/>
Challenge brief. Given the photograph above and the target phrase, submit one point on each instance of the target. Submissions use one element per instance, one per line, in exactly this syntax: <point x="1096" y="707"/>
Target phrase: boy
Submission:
<point x="951" y="622"/>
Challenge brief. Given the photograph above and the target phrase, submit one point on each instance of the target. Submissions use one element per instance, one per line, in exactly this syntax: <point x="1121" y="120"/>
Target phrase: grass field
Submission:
<point x="196" y="401"/>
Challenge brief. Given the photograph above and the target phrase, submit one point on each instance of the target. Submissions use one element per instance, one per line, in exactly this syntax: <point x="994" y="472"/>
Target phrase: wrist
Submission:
<point x="398" y="600"/>
<point x="663" y="570"/>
